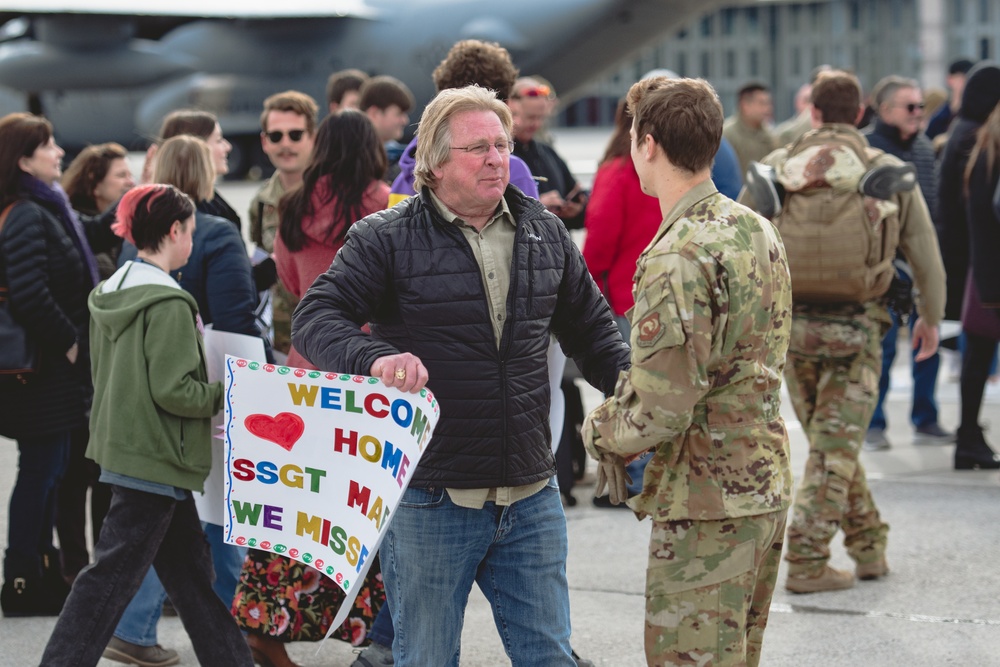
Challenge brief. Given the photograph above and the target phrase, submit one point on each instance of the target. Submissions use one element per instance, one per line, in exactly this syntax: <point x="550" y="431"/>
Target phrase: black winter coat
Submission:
<point x="414" y="278"/>
<point x="980" y="96"/>
<point x="49" y="284"/>
<point x="917" y="149"/>
<point x="984" y="231"/>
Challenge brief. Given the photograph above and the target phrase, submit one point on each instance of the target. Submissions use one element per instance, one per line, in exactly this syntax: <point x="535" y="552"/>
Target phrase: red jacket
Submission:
<point x="621" y="220"/>
<point x="299" y="269"/>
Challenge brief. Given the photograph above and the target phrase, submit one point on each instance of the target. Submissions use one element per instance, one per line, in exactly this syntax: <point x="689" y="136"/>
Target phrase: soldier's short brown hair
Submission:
<point x="684" y="116"/>
<point x="342" y="82"/>
<point x="837" y="96"/>
<point x="383" y="91"/>
<point x="472" y="62"/>
<point x="294" y="101"/>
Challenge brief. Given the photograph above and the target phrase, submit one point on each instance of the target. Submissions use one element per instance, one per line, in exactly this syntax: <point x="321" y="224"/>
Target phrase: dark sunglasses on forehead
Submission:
<point x="276" y="136"/>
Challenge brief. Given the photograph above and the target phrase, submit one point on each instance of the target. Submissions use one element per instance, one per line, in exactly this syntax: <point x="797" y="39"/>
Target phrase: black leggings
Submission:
<point x="976" y="360"/>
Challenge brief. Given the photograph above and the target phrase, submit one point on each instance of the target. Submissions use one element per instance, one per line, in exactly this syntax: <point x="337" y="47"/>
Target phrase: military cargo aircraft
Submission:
<point x="110" y="70"/>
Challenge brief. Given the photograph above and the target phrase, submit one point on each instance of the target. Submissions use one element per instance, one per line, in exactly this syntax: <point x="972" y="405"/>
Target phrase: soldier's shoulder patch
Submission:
<point x="650" y="330"/>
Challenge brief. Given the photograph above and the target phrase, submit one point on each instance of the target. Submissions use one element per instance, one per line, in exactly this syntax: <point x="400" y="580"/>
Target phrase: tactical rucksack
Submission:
<point x="840" y="243"/>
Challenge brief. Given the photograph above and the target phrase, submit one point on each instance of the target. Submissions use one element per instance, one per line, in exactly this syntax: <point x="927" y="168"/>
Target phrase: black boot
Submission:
<point x="973" y="452"/>
<point x="52" y="580"/>
<point x="29" y="596"/>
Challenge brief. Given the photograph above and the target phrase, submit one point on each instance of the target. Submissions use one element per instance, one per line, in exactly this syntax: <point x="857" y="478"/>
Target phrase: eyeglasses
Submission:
<point x="276" y="136"/>
<point x="534" y="91"/>
<point x="482" y="149"/>
<point x="912" y="107"/>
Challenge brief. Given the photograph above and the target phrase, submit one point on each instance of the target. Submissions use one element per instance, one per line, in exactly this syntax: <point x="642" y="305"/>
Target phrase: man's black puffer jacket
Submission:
<point x="413" y="277"/>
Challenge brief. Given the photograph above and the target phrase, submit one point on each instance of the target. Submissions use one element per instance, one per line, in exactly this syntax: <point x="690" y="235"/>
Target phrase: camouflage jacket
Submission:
<point x="264" y="213"/>
<point x="710" y="330"/>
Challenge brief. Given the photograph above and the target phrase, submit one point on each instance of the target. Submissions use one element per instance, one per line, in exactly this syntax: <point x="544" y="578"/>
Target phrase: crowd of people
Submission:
<point x="448" y="261"/>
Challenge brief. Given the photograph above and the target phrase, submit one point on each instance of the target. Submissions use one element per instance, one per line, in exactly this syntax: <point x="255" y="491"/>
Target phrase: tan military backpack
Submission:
<point x="840" y="243"/>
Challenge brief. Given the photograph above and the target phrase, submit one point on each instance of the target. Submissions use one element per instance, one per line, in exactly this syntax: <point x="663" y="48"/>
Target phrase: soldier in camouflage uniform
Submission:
<point x="834" y="362"/>
<point x="286" y="115"/>
<point x="710" y="329"/>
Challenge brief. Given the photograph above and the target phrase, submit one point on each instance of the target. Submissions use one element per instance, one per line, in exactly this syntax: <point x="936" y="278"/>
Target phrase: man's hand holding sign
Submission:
<point x="404" y="371"/>
<point x="317" y="462"/>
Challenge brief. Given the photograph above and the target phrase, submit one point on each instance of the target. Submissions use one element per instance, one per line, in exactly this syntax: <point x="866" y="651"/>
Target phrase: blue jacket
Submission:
<point x="726" y="171"/>
<point x="217" y="275"/>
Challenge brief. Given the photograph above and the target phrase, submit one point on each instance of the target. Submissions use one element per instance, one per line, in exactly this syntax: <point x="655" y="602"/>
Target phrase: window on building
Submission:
<point x="706" y="26"/>
<point x="984" y="48"/>
<point x="795" y="61"/>
<point x="754" y="65"/>
<point x="753" y="21"/>
<point x="815" y="16"/>
<point x="706" y="65"/>
<point x="728" y="18"/>
<point x="854" y="12"/>
<point x="682" y="65"/>
<point x="731" y="64"/>
<point x="958" y="11"/>
<point x="984" y="11"/>
<point x="794" y="17"/>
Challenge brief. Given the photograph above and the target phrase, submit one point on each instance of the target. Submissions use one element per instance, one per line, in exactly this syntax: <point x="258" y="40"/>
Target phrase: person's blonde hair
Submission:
<point x="185" y="162"/>
<point x="434" y="137"/>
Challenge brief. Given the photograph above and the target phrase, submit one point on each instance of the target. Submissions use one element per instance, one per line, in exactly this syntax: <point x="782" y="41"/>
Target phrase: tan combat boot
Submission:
<point x="873" y="570"/>
<point x="828" y="580"/>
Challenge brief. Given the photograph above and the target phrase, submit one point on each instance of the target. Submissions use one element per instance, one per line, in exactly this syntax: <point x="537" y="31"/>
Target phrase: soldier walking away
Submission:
<point x="709" y="333"/>
<point x="840" y="317"/>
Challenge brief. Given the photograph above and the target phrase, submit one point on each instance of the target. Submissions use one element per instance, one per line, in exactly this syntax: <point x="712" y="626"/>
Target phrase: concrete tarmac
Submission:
<point x="938" y="606"/>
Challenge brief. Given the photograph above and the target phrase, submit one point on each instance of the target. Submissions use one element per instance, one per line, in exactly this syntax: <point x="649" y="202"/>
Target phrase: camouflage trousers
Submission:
<point x="283" y="303"/>
<point x="832" y="374"/>
<point x="708" y="589"/>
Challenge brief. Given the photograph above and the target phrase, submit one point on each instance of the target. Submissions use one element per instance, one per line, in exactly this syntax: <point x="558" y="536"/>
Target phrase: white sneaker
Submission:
<point x="875" y="440"/>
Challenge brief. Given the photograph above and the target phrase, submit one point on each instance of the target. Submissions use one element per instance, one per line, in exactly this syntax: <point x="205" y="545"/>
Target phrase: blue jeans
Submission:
<point x="381" y="632"/>
<point x="434" y="550"/>
<point x="140" y="530"/>
<point x="32" y="516"/>
<point x="924" y="411"/>
<point x="138" y="623"/>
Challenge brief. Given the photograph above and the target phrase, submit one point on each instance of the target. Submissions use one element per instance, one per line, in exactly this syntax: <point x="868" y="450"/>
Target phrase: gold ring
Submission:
<point x="400" y="374"/>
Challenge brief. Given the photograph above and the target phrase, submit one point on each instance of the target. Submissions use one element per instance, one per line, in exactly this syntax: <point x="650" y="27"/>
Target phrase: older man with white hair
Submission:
<point x="462" y="285"/>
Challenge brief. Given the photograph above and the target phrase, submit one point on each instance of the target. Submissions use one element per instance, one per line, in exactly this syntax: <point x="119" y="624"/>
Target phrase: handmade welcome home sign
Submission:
<point x="315" y="464"/>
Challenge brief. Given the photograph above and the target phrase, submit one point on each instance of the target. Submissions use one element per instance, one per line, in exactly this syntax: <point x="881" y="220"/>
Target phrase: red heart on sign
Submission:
<point x="284" y="429"/>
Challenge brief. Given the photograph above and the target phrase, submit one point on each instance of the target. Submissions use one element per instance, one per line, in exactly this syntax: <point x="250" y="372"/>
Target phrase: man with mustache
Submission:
<point x="288" y="130"/>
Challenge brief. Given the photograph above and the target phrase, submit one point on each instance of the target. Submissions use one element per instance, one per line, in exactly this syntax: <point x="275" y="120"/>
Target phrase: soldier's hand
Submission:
<point x="611" y="475"/>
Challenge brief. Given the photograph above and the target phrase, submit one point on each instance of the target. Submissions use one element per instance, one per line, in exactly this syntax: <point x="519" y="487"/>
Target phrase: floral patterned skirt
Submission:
<point x="288" y="601"/>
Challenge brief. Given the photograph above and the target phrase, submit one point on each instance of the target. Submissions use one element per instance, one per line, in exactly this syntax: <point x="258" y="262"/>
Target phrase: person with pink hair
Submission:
<point x="151" y="434"/>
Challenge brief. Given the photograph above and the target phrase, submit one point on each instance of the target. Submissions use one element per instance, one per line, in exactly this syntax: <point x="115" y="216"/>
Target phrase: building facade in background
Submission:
<point x="780" y="43"/>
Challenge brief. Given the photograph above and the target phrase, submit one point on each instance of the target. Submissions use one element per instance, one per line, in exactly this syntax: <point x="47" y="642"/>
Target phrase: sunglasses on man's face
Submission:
<point x="913" y="107"/>
<point x="276" y="136"/>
